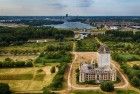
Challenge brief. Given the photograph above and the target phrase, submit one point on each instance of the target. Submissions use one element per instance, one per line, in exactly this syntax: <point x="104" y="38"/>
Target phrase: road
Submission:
<point x="116" y="66"/>
<point x="119" y="70"/>
<point x="29" y="92"/>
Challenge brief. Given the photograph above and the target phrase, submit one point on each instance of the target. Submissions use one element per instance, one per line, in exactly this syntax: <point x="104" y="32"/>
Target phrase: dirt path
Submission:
<point x="34" y="75"/>
<point x="75" y="87"/>
<point x="116" y="66"/>
<point x="119" y="70"/>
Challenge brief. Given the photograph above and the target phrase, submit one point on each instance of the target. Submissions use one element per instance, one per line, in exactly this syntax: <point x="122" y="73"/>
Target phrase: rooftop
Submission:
<point x="88" y="68"/>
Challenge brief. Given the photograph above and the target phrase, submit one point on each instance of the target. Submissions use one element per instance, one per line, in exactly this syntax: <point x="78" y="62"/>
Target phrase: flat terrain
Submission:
<point x="24" y="79"/>
<point x="101" y="92"/>
<point x="81" y="57"/>
<point x="18" y="58"/>
<point x="133" y="63"/>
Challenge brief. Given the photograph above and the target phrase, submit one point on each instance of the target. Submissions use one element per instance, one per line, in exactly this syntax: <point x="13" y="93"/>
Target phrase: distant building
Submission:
<point x="82" y="34"/>
<point x="135" y="27"/>
<point x="113" y="27"/>
<point x="104" y="70"/>
<point x="67" y="15"/>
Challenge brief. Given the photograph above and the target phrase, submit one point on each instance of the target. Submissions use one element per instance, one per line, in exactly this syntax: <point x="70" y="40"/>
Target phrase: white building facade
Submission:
<point x="104" y="70"/>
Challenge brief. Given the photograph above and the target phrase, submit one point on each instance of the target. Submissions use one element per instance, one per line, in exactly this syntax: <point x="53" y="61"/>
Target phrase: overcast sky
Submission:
<point x="72" y="7"/>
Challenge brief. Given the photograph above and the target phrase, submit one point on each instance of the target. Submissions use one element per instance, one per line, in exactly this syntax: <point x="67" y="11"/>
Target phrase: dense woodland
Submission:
<point x="124" y="36"/>
<point x="20" y="35"/>
<point x="36" y="22"/>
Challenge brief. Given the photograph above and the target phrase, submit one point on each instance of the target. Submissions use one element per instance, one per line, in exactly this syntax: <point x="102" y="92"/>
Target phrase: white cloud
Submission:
<point x="74" y="7"/>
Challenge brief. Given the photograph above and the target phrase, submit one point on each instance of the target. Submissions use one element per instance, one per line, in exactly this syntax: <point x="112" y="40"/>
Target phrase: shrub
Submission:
<point x="136" y="67"/>
<point x="4" y="88"/>
<point x="9" y="63"/>
<point x="54" y="57"/>
<point x="40" y="70"/>
<point x="57" y="82"/>
<point x="52" y="70"/>
<point x="107" y="86"/>
<point x="135" y="81"/>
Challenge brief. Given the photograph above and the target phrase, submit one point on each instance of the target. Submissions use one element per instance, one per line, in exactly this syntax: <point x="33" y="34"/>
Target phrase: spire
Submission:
<point x="104" y="49"/>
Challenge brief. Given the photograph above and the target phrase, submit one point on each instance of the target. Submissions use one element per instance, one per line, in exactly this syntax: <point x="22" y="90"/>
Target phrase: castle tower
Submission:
<point x="103" y="57"/>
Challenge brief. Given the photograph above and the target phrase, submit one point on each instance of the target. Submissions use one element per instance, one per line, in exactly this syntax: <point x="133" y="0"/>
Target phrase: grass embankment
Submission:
<point x="101" y="92"/>
<point x="23" y="79"/>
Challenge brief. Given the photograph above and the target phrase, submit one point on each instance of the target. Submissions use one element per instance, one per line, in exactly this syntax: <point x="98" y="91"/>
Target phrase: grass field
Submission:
<point x="87" y="92"/>
<point x="101" y="92"/>
<point x="126" y="92"/>
<point x="22" y="79"/>
<point x="133" y="63"/>
<point x="27" y="46"/>
<point x="31" y="46"/>
<point x="18" y="58"/>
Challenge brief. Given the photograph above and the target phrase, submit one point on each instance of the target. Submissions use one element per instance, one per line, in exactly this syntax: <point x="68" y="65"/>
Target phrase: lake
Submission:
<point x="72" y="25"/>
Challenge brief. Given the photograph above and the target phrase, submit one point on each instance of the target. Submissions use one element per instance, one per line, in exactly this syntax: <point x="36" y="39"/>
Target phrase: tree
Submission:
<point x="107" y="86"/>
<point x="4" y="88"/>
<point x="102" y="26"/>
<point x="135" y="81"/>
<point x="52" y="69"/>
<point x="8" y="59"/>
<point x="59" y="37"/>
<point x="47" y="91"/>
<point x="136" y="67"/>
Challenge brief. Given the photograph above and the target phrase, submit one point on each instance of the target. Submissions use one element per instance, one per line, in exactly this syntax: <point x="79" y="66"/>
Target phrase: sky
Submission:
<point x="71" y="7"/>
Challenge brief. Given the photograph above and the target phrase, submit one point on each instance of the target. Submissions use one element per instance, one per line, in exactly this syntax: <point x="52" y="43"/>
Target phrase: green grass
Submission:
<point x="100" y="92"/>
<point x="39" y="77"/>
<point x="29" y="47"/>
<point x="54" y="57"/>
<point x="126" y="92"/>
<point x="87" y="92"/>
<point x="16" y="77"/>
<point x="123" y="47"/>
<point x="88" y="44"/>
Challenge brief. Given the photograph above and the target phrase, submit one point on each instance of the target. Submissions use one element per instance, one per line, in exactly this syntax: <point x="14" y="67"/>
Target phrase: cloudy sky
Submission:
<point x="72" y="7"/>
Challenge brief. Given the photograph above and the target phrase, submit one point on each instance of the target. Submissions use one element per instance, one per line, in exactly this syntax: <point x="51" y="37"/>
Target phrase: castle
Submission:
<point x="103" y="71"/>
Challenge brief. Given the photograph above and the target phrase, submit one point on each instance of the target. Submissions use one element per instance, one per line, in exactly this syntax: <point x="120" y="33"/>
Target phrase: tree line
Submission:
<point x="9" y="63"/>
<point x="23" y="34"/>
<point x="38" y="22"/>
<point x="125" y="36"/>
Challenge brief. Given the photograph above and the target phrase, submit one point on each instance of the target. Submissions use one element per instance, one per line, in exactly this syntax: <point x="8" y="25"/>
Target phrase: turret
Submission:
<point x="103" y="56"/>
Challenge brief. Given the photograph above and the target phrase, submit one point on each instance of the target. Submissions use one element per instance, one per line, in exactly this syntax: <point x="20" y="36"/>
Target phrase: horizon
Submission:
<point x="65" y="15"/>
<point x="71" y="7"/>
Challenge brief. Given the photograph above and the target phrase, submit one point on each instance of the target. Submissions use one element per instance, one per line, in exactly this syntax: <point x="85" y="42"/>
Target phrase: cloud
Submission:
<point x="84" y="3"/>
<point x="57" y="5"/>
<point x="74" y="7"/>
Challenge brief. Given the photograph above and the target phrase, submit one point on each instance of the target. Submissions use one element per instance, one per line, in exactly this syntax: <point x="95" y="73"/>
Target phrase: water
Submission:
<point x="72" y="25"/>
